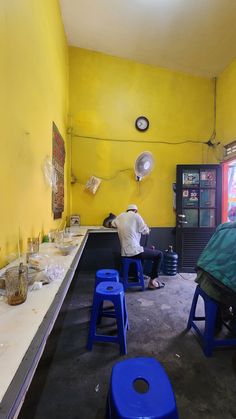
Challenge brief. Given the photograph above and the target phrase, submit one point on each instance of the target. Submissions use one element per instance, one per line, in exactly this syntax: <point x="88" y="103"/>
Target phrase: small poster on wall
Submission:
<point x="58" y="161"/>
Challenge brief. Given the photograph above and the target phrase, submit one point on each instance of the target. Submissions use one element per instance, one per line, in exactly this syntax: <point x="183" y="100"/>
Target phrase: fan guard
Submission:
<point x="143" y="165"/>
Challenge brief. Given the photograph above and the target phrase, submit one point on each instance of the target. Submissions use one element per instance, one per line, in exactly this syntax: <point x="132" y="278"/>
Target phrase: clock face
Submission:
<point x="142" y="123"/>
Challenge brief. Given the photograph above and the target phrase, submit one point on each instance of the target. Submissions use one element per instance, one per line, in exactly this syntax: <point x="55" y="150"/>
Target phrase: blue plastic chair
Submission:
<point x="140" y="388"/>
<point x="114" y="292"/>
<point x="126" y="264"/>
<point x="207" y="336"/>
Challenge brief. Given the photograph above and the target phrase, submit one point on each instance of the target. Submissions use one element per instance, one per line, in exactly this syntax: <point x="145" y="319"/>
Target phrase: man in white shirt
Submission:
<point x="131" y="226"/>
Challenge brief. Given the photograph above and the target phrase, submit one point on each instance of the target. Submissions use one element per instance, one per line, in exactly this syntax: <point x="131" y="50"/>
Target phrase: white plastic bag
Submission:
<point x="92" y="184"/>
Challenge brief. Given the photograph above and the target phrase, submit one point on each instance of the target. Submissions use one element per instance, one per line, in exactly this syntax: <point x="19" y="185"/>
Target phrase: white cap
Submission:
<point x="132" y="207"/>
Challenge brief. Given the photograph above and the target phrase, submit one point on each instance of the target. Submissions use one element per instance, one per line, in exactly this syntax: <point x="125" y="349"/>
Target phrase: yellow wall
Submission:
<point x="34" y="92"/>
<point x="226" y="109"/>
<point x="106" y="95"/>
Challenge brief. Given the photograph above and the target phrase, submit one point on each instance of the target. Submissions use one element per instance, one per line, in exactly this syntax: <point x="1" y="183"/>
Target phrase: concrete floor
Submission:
<point x="71" y="383"/>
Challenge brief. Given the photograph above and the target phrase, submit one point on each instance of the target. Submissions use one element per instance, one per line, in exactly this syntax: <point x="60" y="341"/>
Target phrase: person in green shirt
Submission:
<point x="216" y="269"/>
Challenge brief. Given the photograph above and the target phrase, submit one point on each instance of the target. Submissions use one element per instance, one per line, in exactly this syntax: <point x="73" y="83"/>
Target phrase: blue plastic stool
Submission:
<point x="114" y="292"/>
<point x="126" y="263"/>
<point x="207" y="336"/>
<point x="140" y="388"/>
<point x="101" y="276"/>
<point x="106" y="275"/>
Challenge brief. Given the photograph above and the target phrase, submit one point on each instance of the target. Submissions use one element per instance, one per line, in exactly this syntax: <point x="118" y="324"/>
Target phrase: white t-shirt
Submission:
<point x="130" y="226"/>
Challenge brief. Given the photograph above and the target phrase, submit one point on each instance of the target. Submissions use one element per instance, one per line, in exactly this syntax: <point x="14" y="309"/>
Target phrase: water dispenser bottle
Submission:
<point x="170" y="265"/>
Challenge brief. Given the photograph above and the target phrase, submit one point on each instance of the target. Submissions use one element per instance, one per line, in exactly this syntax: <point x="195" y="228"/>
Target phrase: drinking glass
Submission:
<point x="16" y="284"/>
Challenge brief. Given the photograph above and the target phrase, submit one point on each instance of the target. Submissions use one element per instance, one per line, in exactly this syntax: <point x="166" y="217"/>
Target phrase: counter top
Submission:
<point x="24" y="328"/>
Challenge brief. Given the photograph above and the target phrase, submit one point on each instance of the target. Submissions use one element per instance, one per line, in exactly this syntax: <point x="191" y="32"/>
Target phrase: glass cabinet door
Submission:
<point x="207" y="218"/>
<point x="191" y="178"/>
<point x="207" y="198"/>
<point x="198" y="198"/>
<point x="190" y="198"/>
<point x="208" y="178"/>
<point x="198" y="210"/>
<point x="191" y="218"/>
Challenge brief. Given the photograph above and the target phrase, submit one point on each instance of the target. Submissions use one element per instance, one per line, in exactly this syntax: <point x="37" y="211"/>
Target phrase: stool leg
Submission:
<point x="140" y="274"/>
<point x="93" y="322"/>
<point x="210" y="319"/>
<point x="125" y="274"/>
<point x="193" y="309"/>
<point x="108" y="407"/>
<point x="121" y="329"/>
<point x="100" y="310"/>
<point x="99" y="316"/>
<point x="126" y="314"/>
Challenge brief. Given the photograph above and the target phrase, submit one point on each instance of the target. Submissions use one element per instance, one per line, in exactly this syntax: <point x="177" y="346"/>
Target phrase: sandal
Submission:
<point x="155" y="285"/>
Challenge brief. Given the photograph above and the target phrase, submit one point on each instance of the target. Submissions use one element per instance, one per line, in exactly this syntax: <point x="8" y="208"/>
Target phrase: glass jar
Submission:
<point x="58" y="236"/>
<point x="33" y="245"/>
<point x="16" y="284"/>
<point x="55" y="236"/>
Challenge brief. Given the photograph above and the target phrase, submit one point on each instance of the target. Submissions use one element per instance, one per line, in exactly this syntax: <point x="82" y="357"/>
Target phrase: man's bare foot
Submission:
<point x="154" y="284"/>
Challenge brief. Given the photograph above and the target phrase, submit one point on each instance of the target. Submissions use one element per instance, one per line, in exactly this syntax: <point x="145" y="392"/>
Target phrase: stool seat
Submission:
<point x="126" y="264"/>
<point x="156" y="400"/>
<point x="106" y="275"/>
<point x="101" y="276"/>
<point x="114" y="292"/>
<point x="109" y="289"/>
<point x="207" y="336"/>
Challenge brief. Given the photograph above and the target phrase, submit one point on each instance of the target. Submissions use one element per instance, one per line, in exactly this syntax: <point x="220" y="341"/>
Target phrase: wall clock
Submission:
<point x="142" y="123"/>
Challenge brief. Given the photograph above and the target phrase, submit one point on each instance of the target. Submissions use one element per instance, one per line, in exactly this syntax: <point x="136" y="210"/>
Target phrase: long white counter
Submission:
<point x="24" y="329"/>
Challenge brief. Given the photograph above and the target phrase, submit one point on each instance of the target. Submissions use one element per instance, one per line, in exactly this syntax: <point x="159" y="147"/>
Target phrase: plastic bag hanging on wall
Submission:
<point x="50" y="173"/>
<point x="92" y="184"/>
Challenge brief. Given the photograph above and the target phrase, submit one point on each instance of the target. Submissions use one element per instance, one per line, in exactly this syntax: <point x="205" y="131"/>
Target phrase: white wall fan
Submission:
<point x="143" y="165"/>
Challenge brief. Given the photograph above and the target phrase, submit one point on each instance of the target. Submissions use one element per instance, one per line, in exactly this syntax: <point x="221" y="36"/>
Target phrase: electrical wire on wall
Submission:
<point x="213" y="135"/>
<point x="209" y="143"/>
<point x="113" y="176"/>
<point x="219" y="152"/>
<point x="74" y="179"/>
<point x="70" y="135"/>
<point x="140" y="141"/>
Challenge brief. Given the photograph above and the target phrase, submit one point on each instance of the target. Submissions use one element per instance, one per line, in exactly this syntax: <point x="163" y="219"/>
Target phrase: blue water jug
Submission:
<point x="170" y="264"/>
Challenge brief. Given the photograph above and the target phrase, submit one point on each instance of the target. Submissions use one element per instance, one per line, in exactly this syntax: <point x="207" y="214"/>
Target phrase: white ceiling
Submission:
<point x="195" y="36"/>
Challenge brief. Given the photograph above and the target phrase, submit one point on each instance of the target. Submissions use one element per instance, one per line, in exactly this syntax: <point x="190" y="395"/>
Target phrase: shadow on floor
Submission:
<point x="72" y="383"/>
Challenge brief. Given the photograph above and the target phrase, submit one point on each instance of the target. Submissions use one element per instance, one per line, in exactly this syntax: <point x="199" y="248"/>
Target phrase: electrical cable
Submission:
<point x="115" y="175"/>
<point x="208" y="142"/>
<point x="217" y="157"/>
<point x="106" y="178"/>
<point x="139" y="141"/>
<point x="213" y="135"/>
